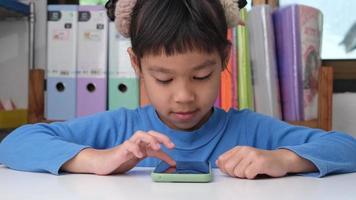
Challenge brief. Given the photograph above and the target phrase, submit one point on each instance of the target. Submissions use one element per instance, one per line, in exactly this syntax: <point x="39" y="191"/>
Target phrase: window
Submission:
<point x="339" y="22"/>
<point x="339" y="39"/>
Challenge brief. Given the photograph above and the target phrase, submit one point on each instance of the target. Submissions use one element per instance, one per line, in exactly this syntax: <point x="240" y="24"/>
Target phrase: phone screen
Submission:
<point x="183" y="167"/>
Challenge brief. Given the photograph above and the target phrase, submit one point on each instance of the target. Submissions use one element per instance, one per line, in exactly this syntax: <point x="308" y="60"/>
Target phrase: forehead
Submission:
<point x="191" y="60"/>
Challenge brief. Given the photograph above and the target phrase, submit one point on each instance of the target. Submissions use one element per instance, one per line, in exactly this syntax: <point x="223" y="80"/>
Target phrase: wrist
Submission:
<point x="294" y="163"/>
<point x="83" y="162"/>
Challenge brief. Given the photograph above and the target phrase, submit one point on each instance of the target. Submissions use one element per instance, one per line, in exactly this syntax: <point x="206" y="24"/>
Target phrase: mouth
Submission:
<point x="184" y="115"/>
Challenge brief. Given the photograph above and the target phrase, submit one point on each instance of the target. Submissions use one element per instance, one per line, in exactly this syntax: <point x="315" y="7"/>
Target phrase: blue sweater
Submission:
<point x="46" y="147"/>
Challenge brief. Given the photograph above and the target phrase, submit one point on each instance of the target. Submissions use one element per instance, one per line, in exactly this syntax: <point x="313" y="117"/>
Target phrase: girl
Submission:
<point x="179" y="49"/>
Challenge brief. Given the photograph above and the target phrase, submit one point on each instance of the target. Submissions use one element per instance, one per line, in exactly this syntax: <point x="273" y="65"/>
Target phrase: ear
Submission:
<point x="135" y="63"/>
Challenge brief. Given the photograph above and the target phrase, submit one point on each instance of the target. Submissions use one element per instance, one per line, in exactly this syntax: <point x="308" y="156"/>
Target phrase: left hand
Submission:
<point x="248" y="162"/>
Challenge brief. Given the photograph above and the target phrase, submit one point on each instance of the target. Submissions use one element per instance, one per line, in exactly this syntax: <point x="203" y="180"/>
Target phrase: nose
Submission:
<point x="184" y="93"/>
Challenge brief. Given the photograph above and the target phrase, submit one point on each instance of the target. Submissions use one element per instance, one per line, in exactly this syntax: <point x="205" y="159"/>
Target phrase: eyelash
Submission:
<point x="203" y="78"/>
<point x="165" y="82"/>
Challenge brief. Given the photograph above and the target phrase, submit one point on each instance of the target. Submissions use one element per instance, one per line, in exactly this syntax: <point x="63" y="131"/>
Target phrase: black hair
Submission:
<point x="177" y="26"/>
<point x="110" y="9"/>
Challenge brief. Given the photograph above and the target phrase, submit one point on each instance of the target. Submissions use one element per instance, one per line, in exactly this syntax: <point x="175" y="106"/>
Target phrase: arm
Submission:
<point x="46" y="147"/>
<point x="122" y="157"/>
<point x="330" y="152"/>
<point x="295" y="149"/>
<point x="248" y="162"/>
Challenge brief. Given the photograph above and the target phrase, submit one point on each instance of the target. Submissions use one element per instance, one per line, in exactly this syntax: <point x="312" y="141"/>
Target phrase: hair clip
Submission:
<point x="241" y="3"/>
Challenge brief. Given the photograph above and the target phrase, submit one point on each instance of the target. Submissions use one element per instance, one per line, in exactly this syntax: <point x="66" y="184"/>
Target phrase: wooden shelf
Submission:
<point x="324" y="120"/>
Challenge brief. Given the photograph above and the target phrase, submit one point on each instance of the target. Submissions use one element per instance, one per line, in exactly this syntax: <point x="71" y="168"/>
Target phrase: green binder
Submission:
<point x="123" y="84"/>
<point x="245" y="90"/>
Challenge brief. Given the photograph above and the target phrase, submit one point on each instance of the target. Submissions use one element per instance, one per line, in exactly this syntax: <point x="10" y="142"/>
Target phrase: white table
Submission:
<point x="137" y="184"/>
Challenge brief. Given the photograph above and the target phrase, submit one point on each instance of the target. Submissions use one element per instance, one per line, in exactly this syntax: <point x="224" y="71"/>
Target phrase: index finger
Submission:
<point x="162" y="139"/>
<point x="164" y="157"/>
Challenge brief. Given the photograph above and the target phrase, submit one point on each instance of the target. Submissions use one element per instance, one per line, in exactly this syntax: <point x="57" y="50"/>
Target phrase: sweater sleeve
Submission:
<point x="331" y="152"/>
<point x="46" y="147"/>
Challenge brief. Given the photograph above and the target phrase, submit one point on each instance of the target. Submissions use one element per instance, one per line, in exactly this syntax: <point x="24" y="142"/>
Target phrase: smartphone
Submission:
<point x="184" y="171"/>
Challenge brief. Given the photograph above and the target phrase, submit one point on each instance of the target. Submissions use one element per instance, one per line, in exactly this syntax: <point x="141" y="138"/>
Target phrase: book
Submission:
<point x="263" y="61"/>
<point x="226" y="87"/>
<point x="298" y="38"/>
<point x="311" y="22"/>
<point x="245" y="90"/>
<point x="272" y="3"/>
<point x="289" y="63"/>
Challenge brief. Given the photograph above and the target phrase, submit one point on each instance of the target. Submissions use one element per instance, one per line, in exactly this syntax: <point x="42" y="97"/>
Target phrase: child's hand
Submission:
<point x="122" y="157"/>
<point x="248" y="162"/>
<point x="140" y="146"/>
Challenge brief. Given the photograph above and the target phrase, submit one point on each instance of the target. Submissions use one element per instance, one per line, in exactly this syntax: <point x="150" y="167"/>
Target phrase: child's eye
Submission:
<point x="203" y="77"/>
<point x="164" y="81"/>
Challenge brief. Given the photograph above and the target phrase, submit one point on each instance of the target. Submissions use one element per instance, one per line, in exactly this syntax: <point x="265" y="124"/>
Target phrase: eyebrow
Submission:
<point x="201" y="66"/>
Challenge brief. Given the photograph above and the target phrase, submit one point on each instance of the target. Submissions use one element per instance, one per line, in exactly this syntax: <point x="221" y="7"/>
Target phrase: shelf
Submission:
<point x="13" y="9"/>
<point x="13" y="118"/>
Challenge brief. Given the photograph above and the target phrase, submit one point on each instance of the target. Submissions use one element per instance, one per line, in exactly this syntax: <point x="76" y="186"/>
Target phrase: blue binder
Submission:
<point x="61" y="62"/>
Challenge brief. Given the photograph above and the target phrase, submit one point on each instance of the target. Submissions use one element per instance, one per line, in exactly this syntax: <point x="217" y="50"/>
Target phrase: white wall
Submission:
<point x="14" y="54"/>
<point x="13" y="61"/>
<point x="344" y="113"/>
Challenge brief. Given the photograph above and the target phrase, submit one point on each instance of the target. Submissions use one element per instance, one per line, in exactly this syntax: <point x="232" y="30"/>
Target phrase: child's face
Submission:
<point x="182" y="87"/>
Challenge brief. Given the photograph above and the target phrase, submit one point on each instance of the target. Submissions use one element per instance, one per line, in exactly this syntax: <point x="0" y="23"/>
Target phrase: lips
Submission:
<point x="184" y="116"/>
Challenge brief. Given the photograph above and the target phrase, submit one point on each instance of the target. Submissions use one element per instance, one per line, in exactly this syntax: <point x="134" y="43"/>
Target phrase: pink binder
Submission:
<point x="92" y="60"/>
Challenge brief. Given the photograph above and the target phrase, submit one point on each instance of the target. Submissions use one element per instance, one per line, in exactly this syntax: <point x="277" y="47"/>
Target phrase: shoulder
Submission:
<point x="120" y="115"/>
<point x="233" y="118"/>
<point x="240" y="115"/>
<point x="251" y="118"/>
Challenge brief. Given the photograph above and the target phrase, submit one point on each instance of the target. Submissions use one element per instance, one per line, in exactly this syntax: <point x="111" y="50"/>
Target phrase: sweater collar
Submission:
<point x="190" y="140"/>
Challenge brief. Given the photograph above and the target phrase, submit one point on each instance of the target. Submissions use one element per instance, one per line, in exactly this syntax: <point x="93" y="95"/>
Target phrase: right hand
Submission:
<point x="140" y="146"/>
<point x="124" y="157"/>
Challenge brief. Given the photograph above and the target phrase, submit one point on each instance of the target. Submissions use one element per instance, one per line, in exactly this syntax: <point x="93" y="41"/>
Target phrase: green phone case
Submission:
<point x="191" y="178"/>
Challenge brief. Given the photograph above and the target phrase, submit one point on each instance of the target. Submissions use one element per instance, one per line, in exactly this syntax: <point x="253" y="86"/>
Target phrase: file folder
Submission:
<point x="228" y="81"/>
<point x="298" y="37"/>
<point x="123" y="83"/>
<point x="311" y="27"/>
<point x="61" y="62"/>
<point x="92" y="60"/>
<point x="263" y="61"/>
<point x="245" y="90"/>
<point x="289" y="62"/>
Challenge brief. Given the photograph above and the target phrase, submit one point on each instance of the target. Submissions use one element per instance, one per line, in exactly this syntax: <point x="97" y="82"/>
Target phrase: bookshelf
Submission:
<point x="13" y="9"/>
<point x="36" y="100"/>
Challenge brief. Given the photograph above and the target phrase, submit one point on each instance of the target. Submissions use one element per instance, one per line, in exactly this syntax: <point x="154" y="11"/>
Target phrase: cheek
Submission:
<point x="210" y="91"/>
<point x="155" y="94"/>
<point x="215" y="85"/>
